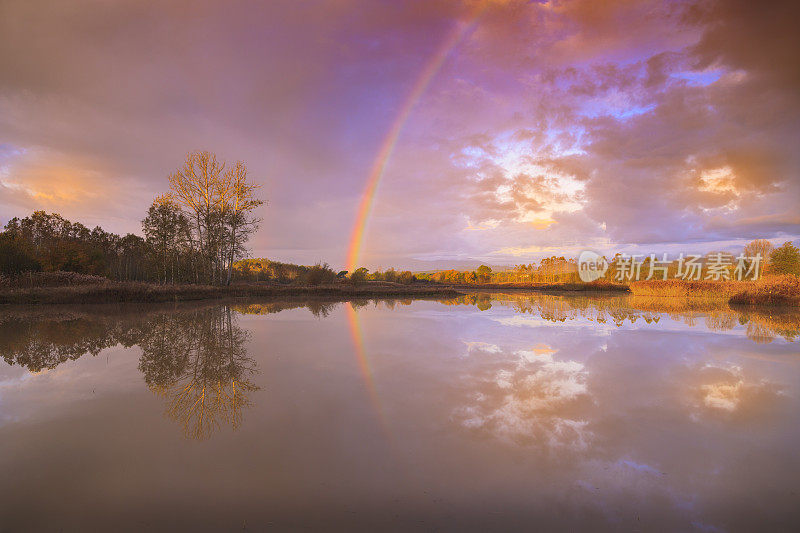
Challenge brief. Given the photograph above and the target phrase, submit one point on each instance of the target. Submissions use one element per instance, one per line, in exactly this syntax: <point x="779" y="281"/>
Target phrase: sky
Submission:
<point x="503" y="131"/>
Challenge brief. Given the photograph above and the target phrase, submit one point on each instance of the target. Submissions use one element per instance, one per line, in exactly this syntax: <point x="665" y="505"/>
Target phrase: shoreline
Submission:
<point x="134" y="292"/>
<point x="780" y="293"/>
<point x="596" y="288"/>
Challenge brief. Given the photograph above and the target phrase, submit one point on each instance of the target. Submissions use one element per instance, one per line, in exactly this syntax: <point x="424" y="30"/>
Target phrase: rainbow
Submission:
<point x="387" y="147"/>
<point x="361" y="354"/>
<point x="364" y="367"/>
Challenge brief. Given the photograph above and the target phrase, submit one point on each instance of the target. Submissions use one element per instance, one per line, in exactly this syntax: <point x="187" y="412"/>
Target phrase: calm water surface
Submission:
<point x="491" y="411"/>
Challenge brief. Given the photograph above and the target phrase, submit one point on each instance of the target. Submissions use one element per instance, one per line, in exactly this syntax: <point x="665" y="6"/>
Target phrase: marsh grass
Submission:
<point x="772" y="290"/>
<point x="678" y="288"/>
<point x="58" y="278"/>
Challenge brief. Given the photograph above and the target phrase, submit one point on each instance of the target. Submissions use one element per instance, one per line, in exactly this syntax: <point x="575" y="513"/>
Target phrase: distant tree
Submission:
<point x="166" y="229"/>
<point x="484" y="273"/>
<point x="785" y="259"/>
<point x="320" y="273"/>
<point x="390" y="275"/>
<point x="406" y="278"/>
<point x="759" y="246"/>
<point x="15" y="258"/>
<point x="58" y="244"/>
<point x="280" y="272"/>
<point x="359" y="275"/>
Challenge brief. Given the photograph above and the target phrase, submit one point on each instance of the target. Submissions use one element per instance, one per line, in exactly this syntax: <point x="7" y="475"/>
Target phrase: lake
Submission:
<point x="504" y="411"/>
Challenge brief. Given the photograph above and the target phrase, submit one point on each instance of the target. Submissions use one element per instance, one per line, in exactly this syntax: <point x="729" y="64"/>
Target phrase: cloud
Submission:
<point x="532" y="402"/>
<point x="569" y="124"/>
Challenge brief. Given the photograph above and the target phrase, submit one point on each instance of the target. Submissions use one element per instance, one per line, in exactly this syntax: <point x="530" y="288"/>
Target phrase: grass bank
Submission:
<point x="776" y="290"/>
<point x="771" y="290"/>
<point x="678" y="288"/>
<point x="111" y="292"/>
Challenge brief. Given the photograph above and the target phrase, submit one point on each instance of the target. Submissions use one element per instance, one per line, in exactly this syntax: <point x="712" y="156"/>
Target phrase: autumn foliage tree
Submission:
<point x="219" y="205"/>
<point x="359" y="275"/>
<point x="785" y="259"/>
<point x="15" y="258"/>
<point x="49" y="242"/>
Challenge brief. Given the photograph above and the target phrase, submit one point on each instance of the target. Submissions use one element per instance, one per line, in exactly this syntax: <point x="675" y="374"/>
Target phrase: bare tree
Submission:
<point x="194" y="188"/>
<point x="759" y="247"/>
<point x="220" y="203"/>
<point x="239" y="202"/>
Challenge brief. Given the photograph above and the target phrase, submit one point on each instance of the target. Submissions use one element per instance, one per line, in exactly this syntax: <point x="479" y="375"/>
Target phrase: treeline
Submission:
<point x="549" y="270"/>
<point x="391" y="275"/>
<point x="261" y="269"/>
<point x="193" y="234"/>
<point x="50" y="243"/>
<point x="784" y="259"/>
<point x="779" y="261"/>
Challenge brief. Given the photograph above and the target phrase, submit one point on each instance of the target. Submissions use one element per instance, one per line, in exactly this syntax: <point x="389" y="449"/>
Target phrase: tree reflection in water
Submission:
<point x="193" y="357"/>
<point x="199" y="364"/>
<point x="762" y="324"/>
<point x="43" y="340"/>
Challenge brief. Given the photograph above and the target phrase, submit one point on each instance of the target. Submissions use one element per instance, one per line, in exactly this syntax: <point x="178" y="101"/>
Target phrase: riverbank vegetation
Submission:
<point x="678" y="288"/>
<point x="194" y="239"/>
<point x="561" y="270"/>
<point x="195" y="236"/>
<point x="262" y="269"/>
<point x="770" y="290"/>
<point x="192" y="234"/>
<point x="777" y="290"/>
<point x="777" y="284"/>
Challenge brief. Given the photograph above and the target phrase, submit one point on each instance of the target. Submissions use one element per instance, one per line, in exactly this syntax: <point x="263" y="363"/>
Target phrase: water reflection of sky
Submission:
<point x="480" y="422"/>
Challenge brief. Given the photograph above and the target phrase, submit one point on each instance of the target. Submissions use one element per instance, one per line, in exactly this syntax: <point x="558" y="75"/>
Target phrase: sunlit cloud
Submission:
<point x="527" y="403"/>
<point x="481" y="347"/>
<point x="723" y="396"/>
<point x="549" y="126"/>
